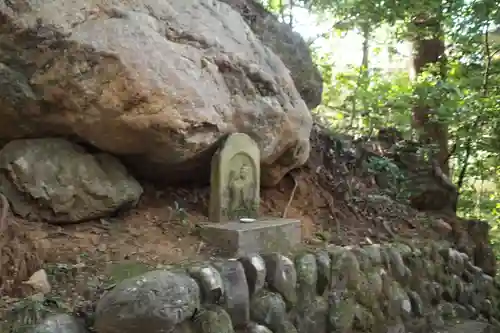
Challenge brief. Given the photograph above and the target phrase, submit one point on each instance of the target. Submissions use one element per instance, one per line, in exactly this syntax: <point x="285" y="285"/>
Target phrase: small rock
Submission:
<point x="255" y="271"/>
<point x="436" y="292"/>
<point x="374" y="253"/>
<point x="399" y="302"/>
<point x="403" y="249"/>
<point x="269" y="309"/>
<point x="487" y="307"/>
<point x="281" y="276"/>
<point x="60" y="323"/>
<point x="341" y="315"/>
<point x="363" y="319"/>
<point x="416" y="303"/>
<point x="213" y="319"/>
<point x="399" y="328"/>
<point x="447" y="310"/>
<point x="39" y="282"/>
<point x="307" y="277"/>
<point x="236" y="299"/>
<point x="441" y="226"/>
<point x="347" y="267"/>
<point x="462" y="311"/>
<point x="366" y="293"/>
<point x="323" y="262"/>
<point x="287" y="328"/>
<point x="312" y="318"/>
<point x="210" y="281"/>
<point x="364" y="259"/>
<point x="256" y="328"/>
<point x="465" y="298"/>
<point x="398" y="268"/>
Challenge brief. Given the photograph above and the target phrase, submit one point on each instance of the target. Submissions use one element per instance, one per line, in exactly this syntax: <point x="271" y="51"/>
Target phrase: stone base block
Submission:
<point x="261" y="236"/>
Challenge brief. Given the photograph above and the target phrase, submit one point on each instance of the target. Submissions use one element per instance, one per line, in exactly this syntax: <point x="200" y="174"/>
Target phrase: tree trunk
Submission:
<point x="363" y="73"/>
<point x="429" y="49"/>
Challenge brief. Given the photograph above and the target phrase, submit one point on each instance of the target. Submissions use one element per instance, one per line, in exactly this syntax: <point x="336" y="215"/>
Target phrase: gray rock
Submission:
<point x="399" y="327"/>
<point x="456" y="261"/>
<point x="154" y="302"/>
<point x="363" y="319"/>
<point x="399" y="302"/>
<point x="341" y="314"/>
<point x="185" y="327"/>
<point x="256" y="328"/>
<point x="486" y="307"/>
<point x="437" y="292"/>
<point x="236" y="300"/>
<point x="447" y="310"/>
<point x="463" y="312"/>
<point x="403" y="249"/>
<point x="60" y="323"/>
<point x="323" y="263"/>
<point x="398" y="268"/>
<point x="281" y="276"/>
<point x="210" y="281"/>
<point x="313" y="317"/>
<point x="452" y="288"/>
<point x="364" y="259"/>
<point x="269" y="309"/>
<point x="213" y="319"/>
<point x="466" y="297"/>
<point x="287" y="328"/>
<point x="374" y="253"/>
<point x="369" y="289"/>
<point x="57" y="181"/>
<point x="484" y="283"/>
<point x="416" y="303"/>
<point x="255" y="271"/>
<point x="307" y="277"/>
<point x="346" y="266"/>
<point x="469" y="326"/>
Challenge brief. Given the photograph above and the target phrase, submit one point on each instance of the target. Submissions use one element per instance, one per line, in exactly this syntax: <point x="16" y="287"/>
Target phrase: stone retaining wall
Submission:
<point x="389" y="288"/>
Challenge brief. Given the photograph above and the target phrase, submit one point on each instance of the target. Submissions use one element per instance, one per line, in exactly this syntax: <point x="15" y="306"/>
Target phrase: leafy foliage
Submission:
<point x="462" y="91"/>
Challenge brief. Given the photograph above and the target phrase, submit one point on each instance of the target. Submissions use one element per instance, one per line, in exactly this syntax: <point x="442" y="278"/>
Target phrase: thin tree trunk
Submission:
<point x="429" y="49"/>
<point x="363" y="71"/>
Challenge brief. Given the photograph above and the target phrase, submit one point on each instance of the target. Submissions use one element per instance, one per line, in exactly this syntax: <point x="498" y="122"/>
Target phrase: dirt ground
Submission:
<point x="163" y="228"/>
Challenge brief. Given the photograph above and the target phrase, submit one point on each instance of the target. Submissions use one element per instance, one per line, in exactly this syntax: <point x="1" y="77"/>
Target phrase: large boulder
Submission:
<point x="288" y="44"/>
<point x="57" y="181"/>
<point x="158" y="83"/>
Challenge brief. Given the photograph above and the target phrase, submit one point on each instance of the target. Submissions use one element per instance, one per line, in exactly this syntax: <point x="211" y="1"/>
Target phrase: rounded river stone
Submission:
<point x="213" y="319"/>
<point x="154" y="302"/>
<point x="210" y="281"/>
<point x="281" y="276"/>
<point x="255" y="271"/>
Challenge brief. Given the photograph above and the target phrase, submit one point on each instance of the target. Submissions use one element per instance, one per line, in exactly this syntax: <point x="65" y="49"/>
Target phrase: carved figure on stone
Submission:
<point x="241" y="192"/>
<point x="235" y="180"/>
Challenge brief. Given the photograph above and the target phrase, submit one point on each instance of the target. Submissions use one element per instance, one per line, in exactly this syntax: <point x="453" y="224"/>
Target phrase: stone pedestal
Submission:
<point x="263" y="235"/>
